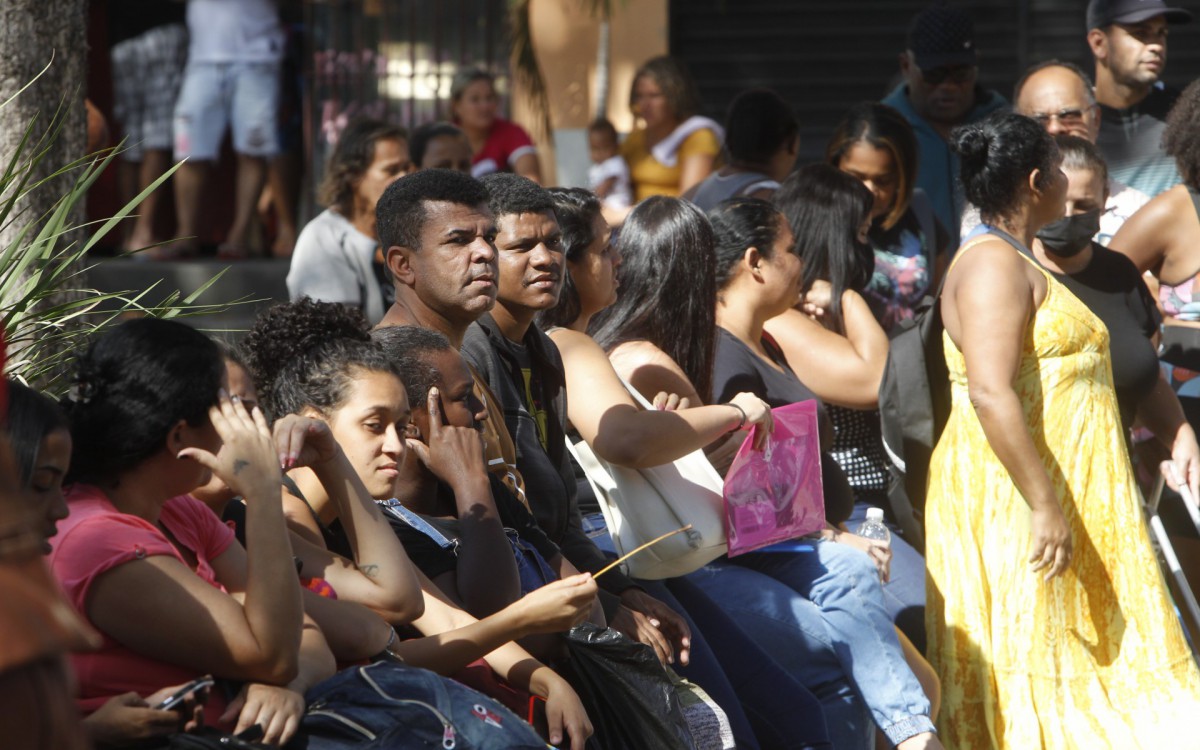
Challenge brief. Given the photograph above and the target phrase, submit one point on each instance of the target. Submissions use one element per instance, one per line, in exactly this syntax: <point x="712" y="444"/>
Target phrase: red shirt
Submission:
<point x="506" y="142"/>
<point x="96" y="538"/>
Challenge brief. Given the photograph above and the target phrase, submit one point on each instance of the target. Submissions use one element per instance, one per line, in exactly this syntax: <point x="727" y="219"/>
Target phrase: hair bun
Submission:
<point x="972" y="145"/>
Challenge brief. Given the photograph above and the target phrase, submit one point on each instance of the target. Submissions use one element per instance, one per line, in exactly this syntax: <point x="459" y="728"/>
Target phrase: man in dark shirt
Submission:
<point x="440" y="238"/>
<point x="523" y="367"/>
<point x="1128" y="39"/>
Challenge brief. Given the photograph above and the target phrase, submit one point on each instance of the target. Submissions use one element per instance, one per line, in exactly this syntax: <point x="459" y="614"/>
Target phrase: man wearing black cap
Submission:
<point x="939" y="93"/>
<point x="1128" y="39"/>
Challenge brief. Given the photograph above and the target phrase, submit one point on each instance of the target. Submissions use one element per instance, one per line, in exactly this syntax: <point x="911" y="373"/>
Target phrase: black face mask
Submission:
<point x="1068" y="236"/>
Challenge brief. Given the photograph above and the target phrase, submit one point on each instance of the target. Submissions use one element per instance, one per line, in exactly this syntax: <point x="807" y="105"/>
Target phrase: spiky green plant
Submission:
<point x="46" y="308"/>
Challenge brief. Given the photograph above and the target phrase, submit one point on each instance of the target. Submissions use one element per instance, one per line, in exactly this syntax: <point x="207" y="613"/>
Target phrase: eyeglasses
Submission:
<point x="951" y="73"/>
<point x="1066" y="117"/>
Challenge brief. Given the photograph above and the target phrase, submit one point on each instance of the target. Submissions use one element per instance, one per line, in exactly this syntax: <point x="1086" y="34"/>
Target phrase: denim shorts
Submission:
<point x="147" y="71"/>
<point x="217" y="95"/>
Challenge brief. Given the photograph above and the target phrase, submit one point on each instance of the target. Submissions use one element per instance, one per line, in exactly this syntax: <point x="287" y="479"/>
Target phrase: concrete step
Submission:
<point x="245" y="288"/>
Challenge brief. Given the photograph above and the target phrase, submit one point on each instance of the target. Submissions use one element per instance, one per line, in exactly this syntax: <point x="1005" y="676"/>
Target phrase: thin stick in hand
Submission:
<point x="631" y="553"/>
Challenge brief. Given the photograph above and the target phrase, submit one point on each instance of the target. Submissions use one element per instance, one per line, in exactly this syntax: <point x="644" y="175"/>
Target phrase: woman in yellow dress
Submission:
<point x="1049" y="621"/>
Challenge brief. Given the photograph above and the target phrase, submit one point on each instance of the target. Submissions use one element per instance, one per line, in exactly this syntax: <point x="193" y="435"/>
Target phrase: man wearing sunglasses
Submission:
<point x="1059" y="96"/>
<point x="939" y="93"/>
<point x="1128" y="39"/>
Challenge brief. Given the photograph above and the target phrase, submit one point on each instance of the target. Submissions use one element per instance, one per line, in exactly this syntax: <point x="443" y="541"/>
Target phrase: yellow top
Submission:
<point x="652" y="177"/>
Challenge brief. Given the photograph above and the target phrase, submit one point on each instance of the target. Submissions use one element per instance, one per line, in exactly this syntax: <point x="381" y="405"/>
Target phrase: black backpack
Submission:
<point x="914" y="404"/>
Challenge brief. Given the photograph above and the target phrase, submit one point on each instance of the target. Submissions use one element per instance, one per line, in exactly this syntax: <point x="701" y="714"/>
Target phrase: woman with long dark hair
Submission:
<point x="875" y="144"/>
<point x="662" y="335"/>
<point x="1048" y="618"/>
<point x="840" y="354"/>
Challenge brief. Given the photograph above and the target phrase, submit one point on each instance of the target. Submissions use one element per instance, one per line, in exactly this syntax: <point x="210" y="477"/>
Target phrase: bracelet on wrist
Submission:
<point x="742" y="422"/>
<point x="387" y="654"/>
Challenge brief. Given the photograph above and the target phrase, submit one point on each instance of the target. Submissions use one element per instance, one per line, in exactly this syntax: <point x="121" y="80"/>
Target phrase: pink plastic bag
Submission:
<point x="776" y="494"/>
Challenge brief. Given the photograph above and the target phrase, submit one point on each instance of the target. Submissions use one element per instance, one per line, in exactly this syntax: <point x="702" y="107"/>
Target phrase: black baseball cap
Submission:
<point x="941" y="35"/>
<point x="1101" y="13"/>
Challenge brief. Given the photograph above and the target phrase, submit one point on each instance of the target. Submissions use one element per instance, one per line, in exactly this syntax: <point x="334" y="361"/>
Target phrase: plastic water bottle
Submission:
<point x="874" y="529"/>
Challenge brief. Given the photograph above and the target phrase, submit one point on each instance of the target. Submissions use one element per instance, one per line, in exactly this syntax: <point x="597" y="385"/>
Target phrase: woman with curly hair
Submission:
<point x="318" y="360"/>
<point x="337" y="256"/>
<point x="1163" y="237"/>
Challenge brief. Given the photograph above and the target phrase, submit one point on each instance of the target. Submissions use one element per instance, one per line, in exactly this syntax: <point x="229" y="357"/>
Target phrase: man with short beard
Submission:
<point x="1128" y="39"/>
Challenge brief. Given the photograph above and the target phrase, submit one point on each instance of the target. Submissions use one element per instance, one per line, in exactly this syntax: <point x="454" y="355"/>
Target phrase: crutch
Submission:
<point x="1189" y="502"/>
<point x="1168" y="551"/>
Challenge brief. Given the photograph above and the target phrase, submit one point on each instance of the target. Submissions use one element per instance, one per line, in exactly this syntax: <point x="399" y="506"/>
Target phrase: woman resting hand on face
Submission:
<point x="346" y="441"/>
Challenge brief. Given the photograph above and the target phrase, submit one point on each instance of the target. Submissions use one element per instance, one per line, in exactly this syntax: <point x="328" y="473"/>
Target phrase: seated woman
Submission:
<point x="839" y="355"/>
<point x="39" y="435"/>
<point x="146" y="428"/>
<point x="875" y="144"/>
<point x="1163" y="238"/>
<point x="337" y="256"/>
<point x="668" y="254"/>
<point x="143" y="435"/>
<point x="675" y="148"/>
<point x="498" y="551"/>
<point x="497" y="145"/>
<point x="762" y="137"/>
<point x="349" y="389"/>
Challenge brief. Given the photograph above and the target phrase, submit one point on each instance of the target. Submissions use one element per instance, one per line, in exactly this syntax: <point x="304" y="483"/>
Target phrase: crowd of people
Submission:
<point x="365" y="526"/>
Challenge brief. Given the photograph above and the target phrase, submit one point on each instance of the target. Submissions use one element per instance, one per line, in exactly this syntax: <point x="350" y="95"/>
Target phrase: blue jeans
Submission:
<point x="767" y="708"/>
<point x="791" y="630"/>
<point x="904" y="593"/>
<point x="782" y="711"/>
<point x="842" y="585"/>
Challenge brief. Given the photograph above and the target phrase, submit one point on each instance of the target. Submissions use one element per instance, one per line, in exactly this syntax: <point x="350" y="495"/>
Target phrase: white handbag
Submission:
<point x="641" y="504"/>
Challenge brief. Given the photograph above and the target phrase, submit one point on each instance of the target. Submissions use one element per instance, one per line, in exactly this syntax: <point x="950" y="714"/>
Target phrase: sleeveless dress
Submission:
<point x="1094" y="658"/>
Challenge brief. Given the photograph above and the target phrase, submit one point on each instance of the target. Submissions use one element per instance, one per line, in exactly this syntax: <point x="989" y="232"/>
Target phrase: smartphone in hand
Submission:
<point x="182" y="694"/>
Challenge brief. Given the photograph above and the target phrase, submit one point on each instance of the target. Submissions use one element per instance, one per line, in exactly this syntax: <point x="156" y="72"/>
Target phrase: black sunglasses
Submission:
<point x="951" y="73"/>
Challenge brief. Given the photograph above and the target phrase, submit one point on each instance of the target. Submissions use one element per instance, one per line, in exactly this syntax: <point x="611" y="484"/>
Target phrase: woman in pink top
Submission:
<point x="152" y="569"/>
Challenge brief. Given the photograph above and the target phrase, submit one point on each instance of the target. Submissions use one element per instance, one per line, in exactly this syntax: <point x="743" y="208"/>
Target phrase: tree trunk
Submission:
<point x="32" y="34"/>
<point x="603" y="56"/>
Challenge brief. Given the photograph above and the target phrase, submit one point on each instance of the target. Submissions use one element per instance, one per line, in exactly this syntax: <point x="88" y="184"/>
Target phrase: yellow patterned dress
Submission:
<point x="1095" y="658"/>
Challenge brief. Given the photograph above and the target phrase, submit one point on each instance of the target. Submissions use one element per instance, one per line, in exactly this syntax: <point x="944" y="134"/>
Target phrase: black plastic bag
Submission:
<point x="627" y="693"/>
<point x="209" y="738"/>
